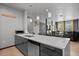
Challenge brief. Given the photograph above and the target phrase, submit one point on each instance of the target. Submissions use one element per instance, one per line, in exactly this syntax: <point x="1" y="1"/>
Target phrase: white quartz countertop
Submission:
<point x="57" y="42"/>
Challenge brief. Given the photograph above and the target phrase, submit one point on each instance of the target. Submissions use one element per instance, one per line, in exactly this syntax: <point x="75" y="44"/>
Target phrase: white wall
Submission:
<point x="25" y="22"/>
<point x="9" y="25"/>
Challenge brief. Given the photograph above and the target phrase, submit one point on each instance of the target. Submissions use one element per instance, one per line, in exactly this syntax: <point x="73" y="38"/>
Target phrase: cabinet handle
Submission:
<point x="50" y="49"/>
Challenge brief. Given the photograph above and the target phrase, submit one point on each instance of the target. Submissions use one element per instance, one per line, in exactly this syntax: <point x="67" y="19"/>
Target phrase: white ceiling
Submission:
<point x="38" y="9"/>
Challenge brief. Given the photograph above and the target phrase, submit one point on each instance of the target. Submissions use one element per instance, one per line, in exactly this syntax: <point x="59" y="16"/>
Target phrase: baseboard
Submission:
<point x="7" y="47"/>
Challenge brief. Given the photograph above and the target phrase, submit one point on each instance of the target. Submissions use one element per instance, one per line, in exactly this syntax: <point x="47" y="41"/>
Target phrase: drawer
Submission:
<point x="19" y="40"/>
<point x="50" y="51"/>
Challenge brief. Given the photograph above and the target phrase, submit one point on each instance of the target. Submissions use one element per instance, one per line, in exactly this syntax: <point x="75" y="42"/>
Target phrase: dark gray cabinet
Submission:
<point x="21" y="44"/>
<point x="27" y="47"/>
<point x="33" y="48"/>
<point x="46" y="50"/>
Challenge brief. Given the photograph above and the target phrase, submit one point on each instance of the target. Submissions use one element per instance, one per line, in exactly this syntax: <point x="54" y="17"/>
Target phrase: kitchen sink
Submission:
<point x="28" y="35"/>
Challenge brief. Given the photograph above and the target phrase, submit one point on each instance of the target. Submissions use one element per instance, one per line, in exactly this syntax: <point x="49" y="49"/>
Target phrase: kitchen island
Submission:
<point x="40" y="45"/>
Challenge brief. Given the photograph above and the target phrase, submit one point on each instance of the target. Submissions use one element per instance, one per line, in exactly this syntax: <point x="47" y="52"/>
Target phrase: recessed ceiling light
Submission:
<point x="49" y="14"/>
<point x="47" y="10"/>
